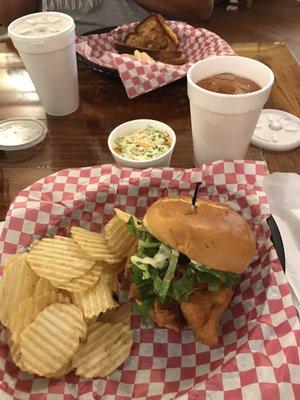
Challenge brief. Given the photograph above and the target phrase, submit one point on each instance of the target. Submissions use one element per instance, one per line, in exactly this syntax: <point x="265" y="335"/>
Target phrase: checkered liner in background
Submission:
<point x="140" y="77"/>
<point x="258" y="357"/>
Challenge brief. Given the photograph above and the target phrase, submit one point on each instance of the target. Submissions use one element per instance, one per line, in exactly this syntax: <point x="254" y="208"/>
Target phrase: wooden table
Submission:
<point x="81" y="139"/>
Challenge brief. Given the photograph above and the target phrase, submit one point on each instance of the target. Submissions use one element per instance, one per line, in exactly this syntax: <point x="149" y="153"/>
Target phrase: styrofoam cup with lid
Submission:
<point x="46" y="44"/>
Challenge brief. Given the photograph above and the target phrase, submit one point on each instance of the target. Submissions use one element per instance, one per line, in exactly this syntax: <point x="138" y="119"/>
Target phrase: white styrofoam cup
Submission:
<point x="46" y="44"/>
<point x="223" y="124"/>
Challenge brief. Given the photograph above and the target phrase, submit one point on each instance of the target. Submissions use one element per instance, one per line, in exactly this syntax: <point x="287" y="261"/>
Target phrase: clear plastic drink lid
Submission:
<point x="40" y="25"/>
<point x="277" y="130"/>
<point x="20" y="134"/>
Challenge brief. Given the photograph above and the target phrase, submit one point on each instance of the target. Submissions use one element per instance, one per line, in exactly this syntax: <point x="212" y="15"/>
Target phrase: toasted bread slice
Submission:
<point x="152" y="33"/>
<point x="168" y="30"/>
<point x="174" y="57"/>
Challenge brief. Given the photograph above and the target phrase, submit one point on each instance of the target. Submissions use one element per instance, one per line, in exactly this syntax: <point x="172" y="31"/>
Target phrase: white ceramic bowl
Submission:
<point x="132" y="126"/>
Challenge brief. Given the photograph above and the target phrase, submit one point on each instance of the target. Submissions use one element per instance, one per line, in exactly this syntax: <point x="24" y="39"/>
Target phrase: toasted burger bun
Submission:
<point x="211" y="233"/>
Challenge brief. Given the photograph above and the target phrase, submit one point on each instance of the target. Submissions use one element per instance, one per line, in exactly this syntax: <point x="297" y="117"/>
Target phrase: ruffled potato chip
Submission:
<point x="99" y="299"/>
<point x="84" y="282"/>
<point x="59" y="259"/>
<point x="27" y="311"/>
<point x="95" y="245"/>
<point x="44" y="286"/>
<point x="18" y="283"/>
<point x="48" y="343"/>
<point x="106" y="347"/>
<point x="119" y="239"/>
<point x="10" y="261"/>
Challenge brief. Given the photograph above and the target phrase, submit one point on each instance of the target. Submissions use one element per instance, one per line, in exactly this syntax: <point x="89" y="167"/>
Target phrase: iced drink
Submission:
<point x="46" y="44"/>
<point x="223" y="123"/>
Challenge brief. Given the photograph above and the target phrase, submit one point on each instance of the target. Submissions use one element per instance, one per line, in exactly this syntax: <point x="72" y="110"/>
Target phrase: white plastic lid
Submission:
<point x="19" y="134"/>
<point x="42" y="32"/>
<point x="277" y="130"/>
<point x="41" y="25"/>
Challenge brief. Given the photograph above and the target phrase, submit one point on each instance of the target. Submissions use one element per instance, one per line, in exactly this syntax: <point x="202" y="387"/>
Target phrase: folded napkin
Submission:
<point x="283" y="191"/>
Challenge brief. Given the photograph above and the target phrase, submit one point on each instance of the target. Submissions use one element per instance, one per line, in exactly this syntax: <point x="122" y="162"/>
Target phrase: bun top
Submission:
<point x="211" y="233"/>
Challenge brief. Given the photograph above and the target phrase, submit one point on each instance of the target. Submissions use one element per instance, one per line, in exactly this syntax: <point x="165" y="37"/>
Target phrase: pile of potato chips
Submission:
<point x="59" y="303"/>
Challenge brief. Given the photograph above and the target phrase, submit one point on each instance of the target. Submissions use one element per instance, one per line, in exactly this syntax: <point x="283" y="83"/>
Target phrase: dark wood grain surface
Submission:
<point x="81" y="138"/>
<point x="266" y="21"/>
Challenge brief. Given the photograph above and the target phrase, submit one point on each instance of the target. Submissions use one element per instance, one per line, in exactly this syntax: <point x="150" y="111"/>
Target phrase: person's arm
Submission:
<point x="12" y="9"/>
<point x="190" y="10"/>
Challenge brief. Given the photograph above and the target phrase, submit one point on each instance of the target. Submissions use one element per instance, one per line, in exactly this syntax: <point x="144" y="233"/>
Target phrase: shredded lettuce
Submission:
<point x="144" y="286"/>
<point x="213" y="276"/>
<point x="143" y="308"/>
<point x="136" y="228"/>
<point x="183" y="287"/>
<point x="161" y="272"/>
<point x="169" y="275"/>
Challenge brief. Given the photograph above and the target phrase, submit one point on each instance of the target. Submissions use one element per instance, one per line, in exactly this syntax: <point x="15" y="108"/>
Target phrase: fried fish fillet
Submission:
<point x="203" y="312"/>
<point x="168" y="315"/>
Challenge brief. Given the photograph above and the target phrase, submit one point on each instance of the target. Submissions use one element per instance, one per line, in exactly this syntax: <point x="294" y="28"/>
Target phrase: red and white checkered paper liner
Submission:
<point x="258" y="356"/>
<point x="140" y="77"/>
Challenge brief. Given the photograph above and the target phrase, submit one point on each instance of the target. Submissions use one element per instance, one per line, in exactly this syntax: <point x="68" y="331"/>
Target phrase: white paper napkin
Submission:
<point x="283" y="191"/>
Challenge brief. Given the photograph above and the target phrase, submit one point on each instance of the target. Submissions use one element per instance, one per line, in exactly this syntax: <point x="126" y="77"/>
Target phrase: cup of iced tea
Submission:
<point x="46" y="44"/>
<point x="227" y="94"/>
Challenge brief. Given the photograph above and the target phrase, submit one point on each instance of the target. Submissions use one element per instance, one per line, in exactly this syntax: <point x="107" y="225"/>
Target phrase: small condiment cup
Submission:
<point x="21" y="138"/>
<point x="131" y="127"/>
